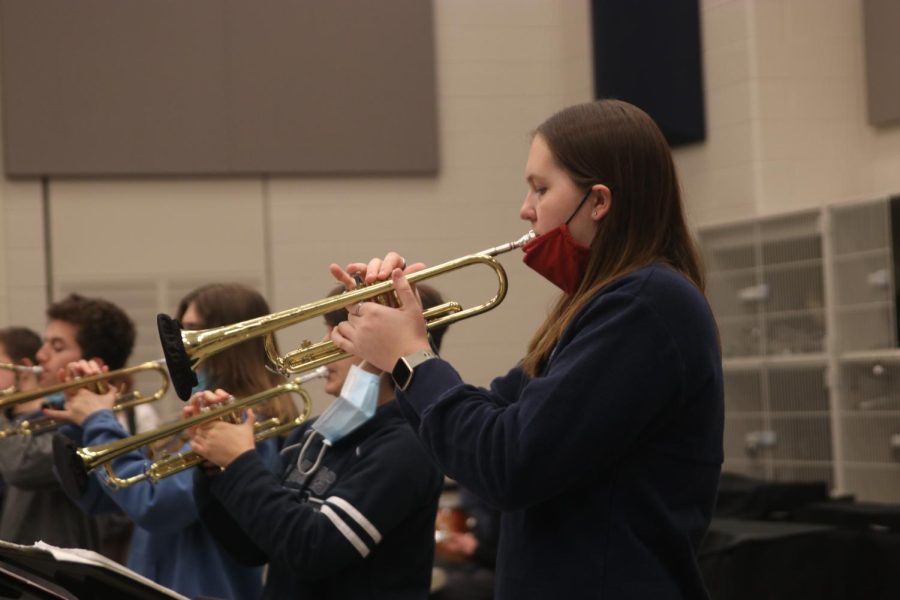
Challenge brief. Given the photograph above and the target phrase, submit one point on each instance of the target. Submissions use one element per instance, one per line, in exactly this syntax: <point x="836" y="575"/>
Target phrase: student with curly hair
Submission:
<point x="36" y="507"/>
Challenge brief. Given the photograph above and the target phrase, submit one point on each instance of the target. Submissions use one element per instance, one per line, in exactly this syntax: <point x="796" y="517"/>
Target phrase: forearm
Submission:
<point x="589" y="408"/>
<point x="161" y="507"/>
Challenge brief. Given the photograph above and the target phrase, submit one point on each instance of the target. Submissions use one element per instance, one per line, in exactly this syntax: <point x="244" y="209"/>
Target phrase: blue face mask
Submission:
<point x="202" y="383"/>
<point x="350" y="410"/>
<point x="56" y="400"/>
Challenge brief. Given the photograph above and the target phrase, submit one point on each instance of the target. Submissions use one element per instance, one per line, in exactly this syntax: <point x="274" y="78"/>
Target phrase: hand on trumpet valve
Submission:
<point x="375" y="270"/>
<point x="204" y="401"/>
<point x="82" y="402"/>
<point x="220" y="442"/>
<point x="382" y="334"/>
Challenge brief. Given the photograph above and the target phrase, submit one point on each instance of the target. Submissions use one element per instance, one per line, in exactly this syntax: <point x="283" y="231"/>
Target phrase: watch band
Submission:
<point x="406" y="366"/>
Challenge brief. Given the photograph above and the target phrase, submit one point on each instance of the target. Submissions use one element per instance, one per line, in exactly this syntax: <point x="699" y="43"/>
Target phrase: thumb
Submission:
<point x="405" y="293"/>
<point x="249" y="417"/>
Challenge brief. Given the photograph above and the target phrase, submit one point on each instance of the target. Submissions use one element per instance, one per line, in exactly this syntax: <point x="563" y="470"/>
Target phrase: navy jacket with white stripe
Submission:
<point x="361" y="526"/>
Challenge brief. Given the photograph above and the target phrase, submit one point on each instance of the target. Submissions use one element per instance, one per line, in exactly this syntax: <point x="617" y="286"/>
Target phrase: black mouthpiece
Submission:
<point x="69" y="467"/>
<point x="177" y="361"/>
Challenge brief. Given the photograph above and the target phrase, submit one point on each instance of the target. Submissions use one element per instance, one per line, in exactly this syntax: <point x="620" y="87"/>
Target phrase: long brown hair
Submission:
<point x="614" y="143"/>
<point x="240" y="370"/>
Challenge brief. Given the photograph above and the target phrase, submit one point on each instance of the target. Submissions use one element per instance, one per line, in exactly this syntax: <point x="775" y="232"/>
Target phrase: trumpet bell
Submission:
<point x="181" y="367"/>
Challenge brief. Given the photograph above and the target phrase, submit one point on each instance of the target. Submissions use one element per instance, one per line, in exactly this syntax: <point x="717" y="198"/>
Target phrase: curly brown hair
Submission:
<point x="104" y="330"/>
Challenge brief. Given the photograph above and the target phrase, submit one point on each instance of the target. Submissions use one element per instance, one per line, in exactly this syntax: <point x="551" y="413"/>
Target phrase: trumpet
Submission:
<point x="185" y="351"/>
<point x="37" y="370"/>
<point x="98" y="382"/>
<point x="74" y="464"/>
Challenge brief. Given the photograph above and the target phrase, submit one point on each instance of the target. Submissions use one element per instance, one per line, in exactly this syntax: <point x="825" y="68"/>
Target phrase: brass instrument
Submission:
<point x="73" y="464"/>
<point x="98" y="382"/>
<point x="186" y="350"/>
<point x="37" y="370"/>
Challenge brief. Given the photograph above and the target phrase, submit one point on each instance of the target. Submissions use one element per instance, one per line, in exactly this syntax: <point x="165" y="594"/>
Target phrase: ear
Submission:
<point x="601" y="201"/>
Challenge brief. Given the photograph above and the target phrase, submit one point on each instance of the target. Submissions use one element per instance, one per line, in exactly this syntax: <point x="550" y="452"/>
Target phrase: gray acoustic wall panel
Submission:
<point x="105" y="87"/>
<point x="882" y="43"/>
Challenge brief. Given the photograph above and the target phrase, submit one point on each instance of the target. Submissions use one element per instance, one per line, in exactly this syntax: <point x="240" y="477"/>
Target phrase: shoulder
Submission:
<point x="652" y="281"/>
<point x="657" y="288"/>
<point x="656" y="304"/>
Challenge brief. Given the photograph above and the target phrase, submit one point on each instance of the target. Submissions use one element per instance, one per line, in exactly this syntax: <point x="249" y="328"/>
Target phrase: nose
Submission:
<point x="42" y="354"/>
<point x="526" y="212"/>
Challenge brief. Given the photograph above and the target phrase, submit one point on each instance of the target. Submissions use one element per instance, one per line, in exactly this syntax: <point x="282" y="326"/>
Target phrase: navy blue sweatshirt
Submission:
<point x="361" y="526"/>
<point x="606" y="465"/>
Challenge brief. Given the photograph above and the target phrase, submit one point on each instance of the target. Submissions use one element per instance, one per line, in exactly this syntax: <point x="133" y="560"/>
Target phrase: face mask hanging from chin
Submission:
<point x="559" y="257"/>
<point x="352" y="408"/>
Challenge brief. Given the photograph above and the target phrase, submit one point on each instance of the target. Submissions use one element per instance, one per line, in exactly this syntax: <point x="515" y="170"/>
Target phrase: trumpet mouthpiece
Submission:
<point x="319" y="373"/>
<point x="511" y="245"/>
<point x="525" y="238"/>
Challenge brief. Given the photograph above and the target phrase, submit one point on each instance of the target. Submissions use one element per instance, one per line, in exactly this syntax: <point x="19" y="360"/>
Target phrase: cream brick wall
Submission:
<point x="786" y="111"/>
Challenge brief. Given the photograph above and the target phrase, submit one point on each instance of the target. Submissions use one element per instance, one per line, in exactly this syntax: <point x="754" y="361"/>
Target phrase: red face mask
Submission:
<point x="558" y="257"/>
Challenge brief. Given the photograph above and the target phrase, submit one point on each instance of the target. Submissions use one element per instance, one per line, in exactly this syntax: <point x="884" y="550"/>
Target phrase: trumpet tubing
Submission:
<point x="43" y="424"/>
<point x="73" y="464"/>
<point x="123" y="401"/>
<point x="310" y="356"/>
<point x="186" y="350"/>
<point x="176" y="463"/>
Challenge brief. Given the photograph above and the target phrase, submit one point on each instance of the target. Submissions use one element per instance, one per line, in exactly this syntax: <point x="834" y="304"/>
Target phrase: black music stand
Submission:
<point x="44" y="572"/>
<point x="18" y="583"/>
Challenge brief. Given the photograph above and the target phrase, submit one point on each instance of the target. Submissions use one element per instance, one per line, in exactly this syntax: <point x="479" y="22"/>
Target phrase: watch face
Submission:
<point x="405" y="366"/>
<point x="401" y="373"/>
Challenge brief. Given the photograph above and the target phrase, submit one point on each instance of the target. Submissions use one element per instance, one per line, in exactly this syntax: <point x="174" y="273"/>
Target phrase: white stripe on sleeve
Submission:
<point x="346" y="530"/>
<point x="357" y="516"/>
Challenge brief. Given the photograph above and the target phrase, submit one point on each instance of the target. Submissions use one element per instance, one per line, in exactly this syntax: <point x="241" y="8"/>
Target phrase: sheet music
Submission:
<point x="89" y="557"/>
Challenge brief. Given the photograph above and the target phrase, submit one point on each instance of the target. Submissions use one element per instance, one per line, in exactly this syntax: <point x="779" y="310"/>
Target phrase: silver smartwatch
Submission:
<point x="406" y="366"/>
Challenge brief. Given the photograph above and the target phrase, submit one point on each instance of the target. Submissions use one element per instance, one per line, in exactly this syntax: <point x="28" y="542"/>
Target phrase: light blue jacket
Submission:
<point x="169" y="544"/>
